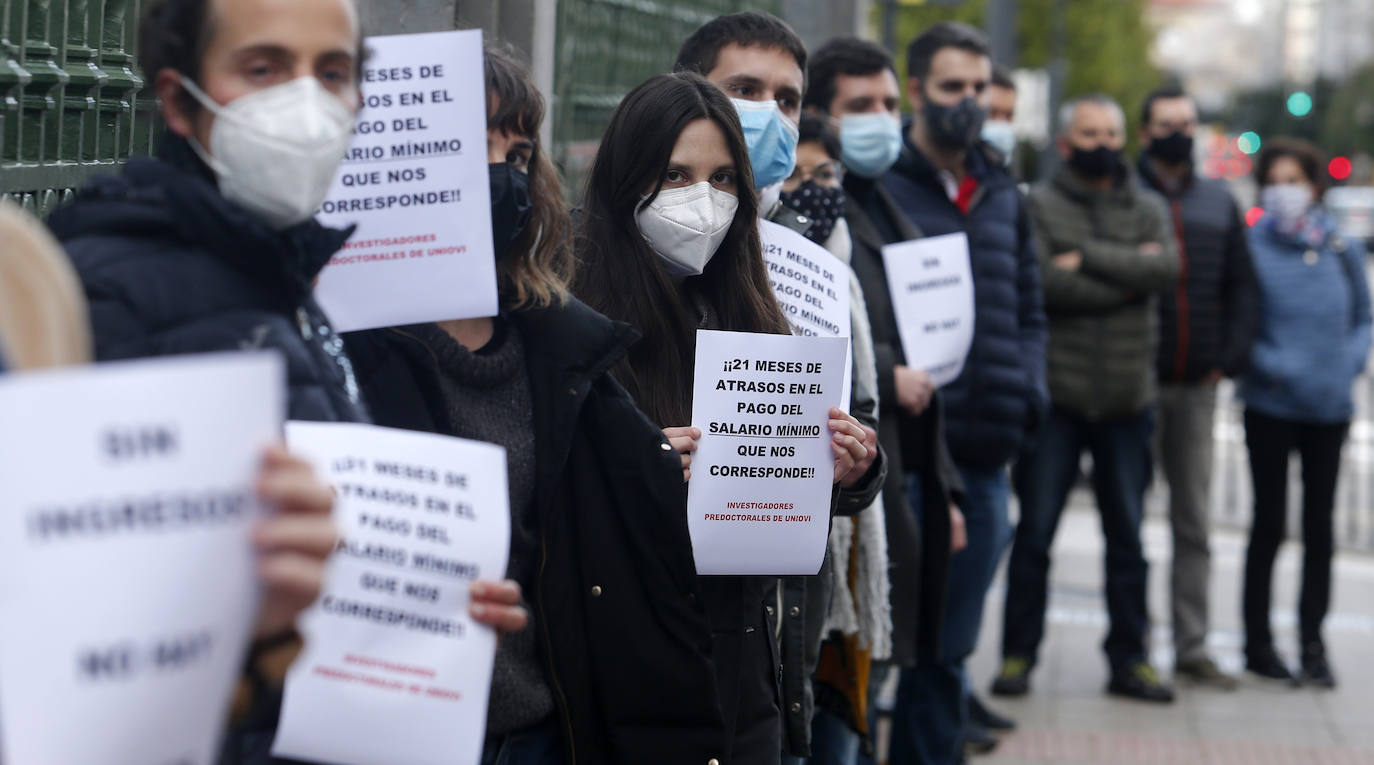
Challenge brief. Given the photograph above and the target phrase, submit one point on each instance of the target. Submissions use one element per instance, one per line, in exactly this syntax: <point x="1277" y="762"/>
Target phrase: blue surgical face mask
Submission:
<point x="1001" y="136"/>
<point x="771" y="138"/>
<point x="870" y="143"/>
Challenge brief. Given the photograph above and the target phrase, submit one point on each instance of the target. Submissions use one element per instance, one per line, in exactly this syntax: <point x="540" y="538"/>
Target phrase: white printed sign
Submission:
<point x="931" y="283"/>
<point x="759" y="498"/>
<point x="125" y="542"/>
<point x="812" y="287"/>
<point x="394" y="670"/>
<point x="415" y="181"/>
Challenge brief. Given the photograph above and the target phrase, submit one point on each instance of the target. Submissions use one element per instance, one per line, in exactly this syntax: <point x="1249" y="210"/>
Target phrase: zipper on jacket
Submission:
<point x="1181" y="294"/>
<point x="548" y="652"/>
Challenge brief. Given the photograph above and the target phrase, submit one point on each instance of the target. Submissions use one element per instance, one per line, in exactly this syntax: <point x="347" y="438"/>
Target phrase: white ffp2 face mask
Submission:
<point x="275" y="152"/>
<point x="686" y="225"/>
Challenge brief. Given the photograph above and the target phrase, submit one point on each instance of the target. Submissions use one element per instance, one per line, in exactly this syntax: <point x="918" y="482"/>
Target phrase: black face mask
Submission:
<point x="1100" y="162"/>
<point x="1173" y="149"/>
<point x="822" y="205"/>
<point x="957" y="126"/>
<point x="510" y="206"/>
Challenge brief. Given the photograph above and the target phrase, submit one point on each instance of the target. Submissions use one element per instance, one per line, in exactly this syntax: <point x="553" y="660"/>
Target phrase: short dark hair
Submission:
<point x="813" y="128"/>
<point x="172" y="34"/>
<point x="1162" y="93"/>
<point x="1308" y="157"/>
<point x="1001" y="77"/>
<point x="849" y="56"/>
<point x="946" y="34"/>
<point x="748" y="29"/>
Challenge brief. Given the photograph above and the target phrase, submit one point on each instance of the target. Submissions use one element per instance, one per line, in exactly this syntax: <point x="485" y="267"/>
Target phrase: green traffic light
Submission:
<point x="1248" y="142"/>
<point x="1300" y="104"/>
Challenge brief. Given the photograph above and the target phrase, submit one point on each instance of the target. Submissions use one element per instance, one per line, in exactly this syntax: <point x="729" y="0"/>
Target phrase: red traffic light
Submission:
<point x="1340" y="168"/>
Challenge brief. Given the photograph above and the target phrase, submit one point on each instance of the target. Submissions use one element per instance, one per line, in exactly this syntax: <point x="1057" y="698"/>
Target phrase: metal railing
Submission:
<point x="72" y="103"/>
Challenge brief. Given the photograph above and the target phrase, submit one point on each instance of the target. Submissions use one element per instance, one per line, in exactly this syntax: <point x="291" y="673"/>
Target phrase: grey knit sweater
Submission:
<point x="488" y="394"/>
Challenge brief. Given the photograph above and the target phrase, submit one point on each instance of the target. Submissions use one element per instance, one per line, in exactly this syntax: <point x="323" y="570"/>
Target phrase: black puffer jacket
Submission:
<point x="1002" y="392"/>
<point x="170" y="267"/>
<point x="1208" y="321"/>
<point x="623" y="633"/>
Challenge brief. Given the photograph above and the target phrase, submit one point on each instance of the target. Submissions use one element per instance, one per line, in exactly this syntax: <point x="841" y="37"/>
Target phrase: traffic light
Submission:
<point x="1340" y="168"/>
<point x="1300" y="103"/>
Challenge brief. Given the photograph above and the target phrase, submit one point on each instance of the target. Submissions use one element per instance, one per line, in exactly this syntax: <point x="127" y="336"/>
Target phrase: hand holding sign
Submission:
<point x="758" y="501"/>
<point x="931" y="283"/>
<point x="293" y="543"/>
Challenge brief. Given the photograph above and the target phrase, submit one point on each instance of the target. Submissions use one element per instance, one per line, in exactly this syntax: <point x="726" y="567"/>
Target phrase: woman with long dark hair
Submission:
<point x="615" y="667"/>
<point x="669" y="243"/>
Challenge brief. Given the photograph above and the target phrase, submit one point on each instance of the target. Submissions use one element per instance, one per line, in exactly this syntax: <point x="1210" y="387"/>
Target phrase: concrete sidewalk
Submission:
<point x="1068" y="718"/>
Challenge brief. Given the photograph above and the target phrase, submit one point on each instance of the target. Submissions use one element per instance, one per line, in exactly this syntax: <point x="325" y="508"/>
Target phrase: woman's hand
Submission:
<point x="292" y="543"/>
<point x="862" y="467"/>
<point x="684" y="442"/>
<point x="497" y="604"/>
<point x="847" y="443"/>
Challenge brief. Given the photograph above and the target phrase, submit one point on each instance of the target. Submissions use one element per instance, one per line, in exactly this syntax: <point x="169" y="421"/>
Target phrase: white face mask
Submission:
<point x="685" y="225"/>
<point x="1001" y="136"/>
<point x="1287" y="202"/>
<point x="276" y="151"/>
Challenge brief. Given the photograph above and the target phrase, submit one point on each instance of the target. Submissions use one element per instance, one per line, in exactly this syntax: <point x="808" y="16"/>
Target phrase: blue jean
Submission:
<point x="833" y="742"/>
<point x="931" y="701"/>
<point x="1121" y="472"/>
<point x="540" y="745"/>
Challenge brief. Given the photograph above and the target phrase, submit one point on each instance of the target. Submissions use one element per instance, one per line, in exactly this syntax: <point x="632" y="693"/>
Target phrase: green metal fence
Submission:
<point x="605" y="48"/>
<point x="71" y="102"/>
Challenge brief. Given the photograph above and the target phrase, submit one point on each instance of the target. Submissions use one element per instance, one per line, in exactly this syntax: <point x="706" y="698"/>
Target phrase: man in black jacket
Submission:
<point x="947" y="181"/>
<point x="854" y="83"/>
<point x="176" y="257"/>
<point x="1207" y="323"/>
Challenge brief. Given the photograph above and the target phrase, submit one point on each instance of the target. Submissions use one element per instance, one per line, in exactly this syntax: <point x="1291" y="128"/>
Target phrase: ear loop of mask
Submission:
<point x="205" y="101"/>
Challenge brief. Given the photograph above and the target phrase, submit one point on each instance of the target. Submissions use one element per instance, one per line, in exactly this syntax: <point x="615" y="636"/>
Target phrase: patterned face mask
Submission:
<point x="824" y="206"/>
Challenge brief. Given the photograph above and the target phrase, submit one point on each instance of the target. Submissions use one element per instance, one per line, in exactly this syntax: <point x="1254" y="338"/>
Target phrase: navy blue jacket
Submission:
<point x="171" y="267"/>
<point x="1002" y="392"/>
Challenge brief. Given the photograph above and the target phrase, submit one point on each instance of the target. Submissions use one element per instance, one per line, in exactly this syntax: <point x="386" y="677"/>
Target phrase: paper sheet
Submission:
<point x="132" y="590"/>
<point x="394" y="670"/>
<point x="759" y="498"/>
<point x="931" y="283"/>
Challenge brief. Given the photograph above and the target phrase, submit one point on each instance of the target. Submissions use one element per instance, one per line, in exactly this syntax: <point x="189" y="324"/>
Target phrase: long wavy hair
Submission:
<point x="541" y="264"/>
<point x="620" y="276"/>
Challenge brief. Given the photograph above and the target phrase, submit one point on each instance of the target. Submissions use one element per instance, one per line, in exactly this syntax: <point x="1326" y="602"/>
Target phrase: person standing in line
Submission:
<point x="668" y="242"/>
<point x="212" y="246"/>
<point x="948" y="181"/>
<point x="999" y="130"/>
<point x="759" y="62"/>
<point x="506" y="380"/>
<point x="853" y="85"/>
<point x="1106" y="251"/>
<point x="1313" y="342"/>
<point x="1207" y="323"/>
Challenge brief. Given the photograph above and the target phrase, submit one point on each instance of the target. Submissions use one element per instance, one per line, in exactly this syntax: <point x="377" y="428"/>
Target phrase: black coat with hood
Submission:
<point x="624" y="637"/>
<point x="172" y="267"/>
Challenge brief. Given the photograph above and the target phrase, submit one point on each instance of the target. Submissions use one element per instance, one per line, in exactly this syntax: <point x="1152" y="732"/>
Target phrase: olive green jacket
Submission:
<point x="1102" y="316"/>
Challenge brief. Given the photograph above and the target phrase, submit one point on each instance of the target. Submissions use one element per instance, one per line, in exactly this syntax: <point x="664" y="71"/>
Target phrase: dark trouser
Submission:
<point x="1120" y="451"/>
<point x="1270" y="440"/>
<point x="540" y="745"/>
<point x="932" y="708"/>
